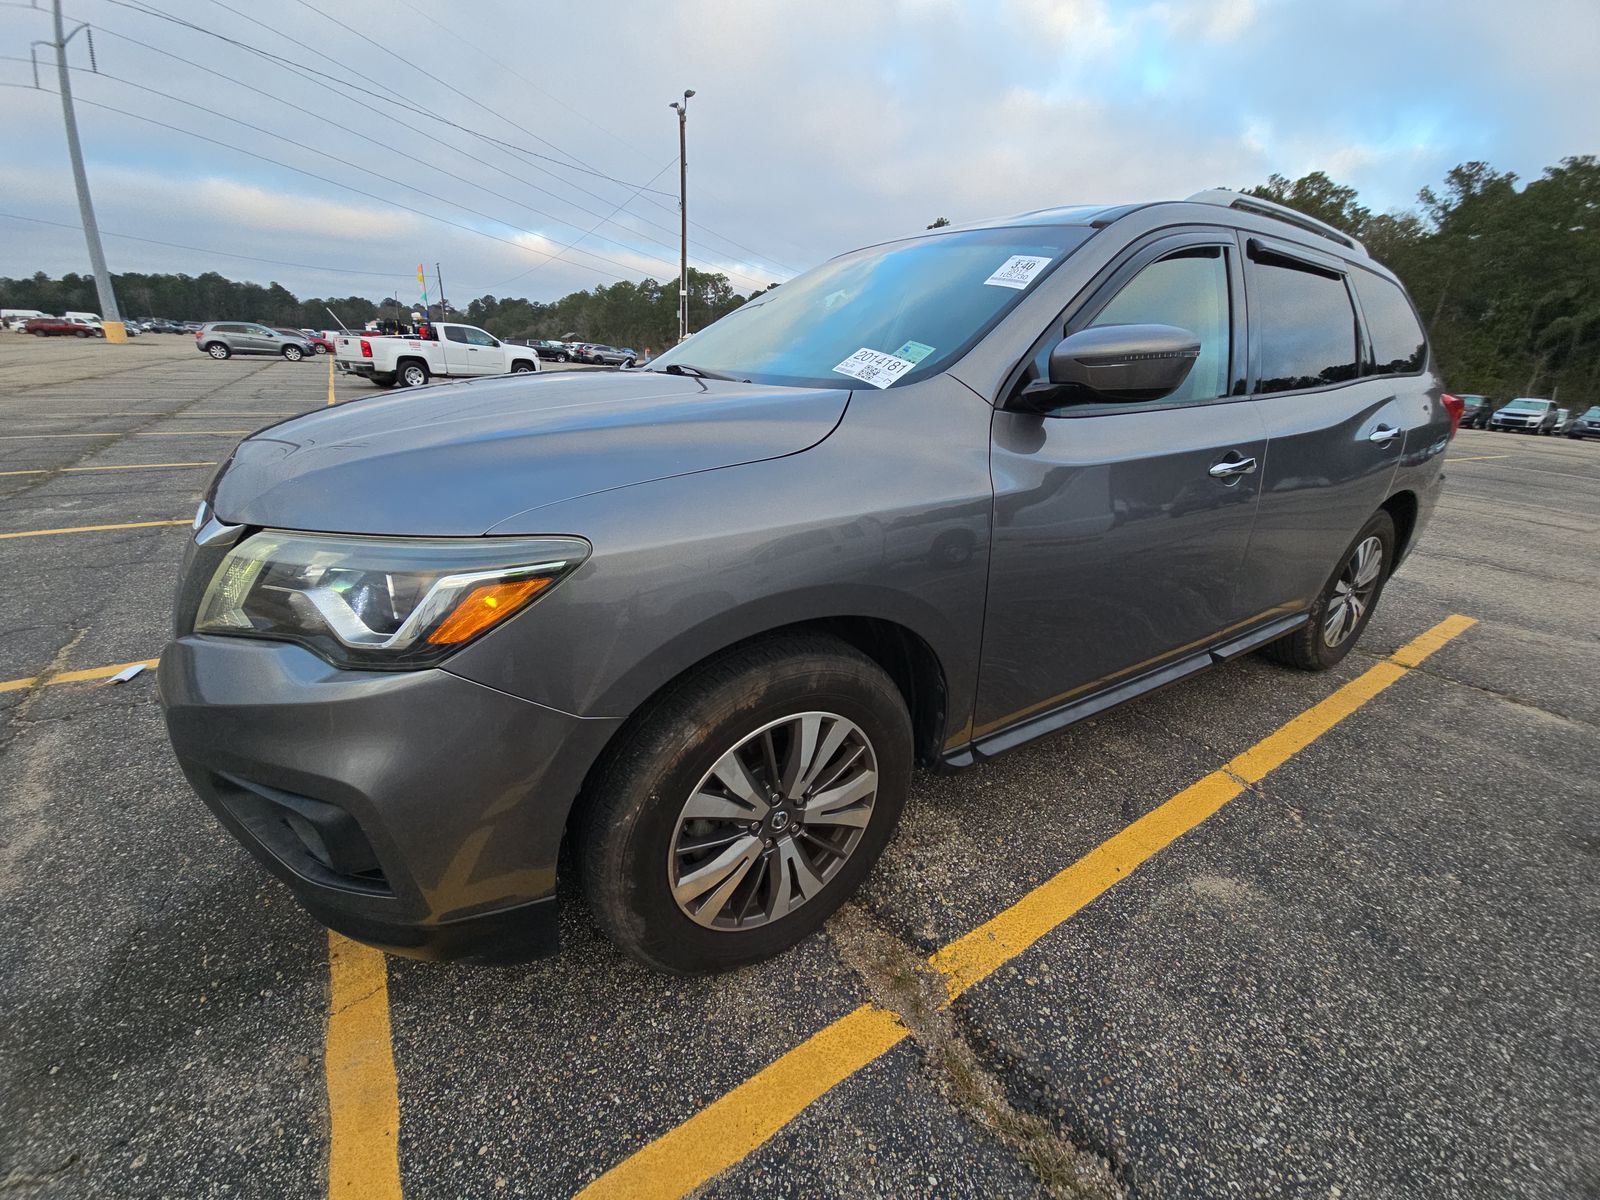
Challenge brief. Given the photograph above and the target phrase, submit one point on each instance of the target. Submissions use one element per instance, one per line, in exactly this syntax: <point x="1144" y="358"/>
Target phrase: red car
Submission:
<point x="319" y="344"/>
<point x="62" y="327"/>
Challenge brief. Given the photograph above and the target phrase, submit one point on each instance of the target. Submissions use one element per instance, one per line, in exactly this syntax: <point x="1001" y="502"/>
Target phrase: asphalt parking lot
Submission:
<point x="1262" y="934"/>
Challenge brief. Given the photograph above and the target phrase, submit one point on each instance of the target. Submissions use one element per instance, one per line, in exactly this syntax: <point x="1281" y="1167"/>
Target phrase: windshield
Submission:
<point x="879" y="315"/>
<point x="1527" y="405"/>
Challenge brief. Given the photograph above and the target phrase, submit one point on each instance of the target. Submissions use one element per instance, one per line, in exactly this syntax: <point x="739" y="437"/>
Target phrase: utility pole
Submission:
<point x="683" y="212"/>
<point x="439" y="275"/>
<point x="111" y="318"/>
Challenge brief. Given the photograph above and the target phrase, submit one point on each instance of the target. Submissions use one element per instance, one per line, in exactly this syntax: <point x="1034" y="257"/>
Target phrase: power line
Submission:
<point x="335" y="84"/>
<point x="512" y="71"/>
<point x="297" y="142"/>
<point x="334" y="182"/>
<point x="387" y="96"/>
<point x="523" y="274"/>
<point x="130" y="237"/>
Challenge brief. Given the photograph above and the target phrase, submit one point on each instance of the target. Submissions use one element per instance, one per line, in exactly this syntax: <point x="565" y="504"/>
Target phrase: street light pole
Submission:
<point x="683" y="212"/>
<point x="111" y="318"/>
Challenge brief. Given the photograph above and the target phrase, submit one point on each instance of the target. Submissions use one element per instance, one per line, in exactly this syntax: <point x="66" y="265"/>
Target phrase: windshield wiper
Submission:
<point x="698" y="372"/>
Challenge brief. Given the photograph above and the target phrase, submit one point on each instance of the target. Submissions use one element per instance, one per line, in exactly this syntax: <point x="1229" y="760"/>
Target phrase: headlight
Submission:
<point x="383" y="604"/>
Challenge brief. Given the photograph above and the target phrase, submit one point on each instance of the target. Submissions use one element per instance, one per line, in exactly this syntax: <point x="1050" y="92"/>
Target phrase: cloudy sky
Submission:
<point x="528" y="147"/>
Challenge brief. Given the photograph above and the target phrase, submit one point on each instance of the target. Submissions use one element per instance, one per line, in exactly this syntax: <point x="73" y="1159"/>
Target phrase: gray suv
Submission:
<point x="928" y="501"/>
<point x="223" y="339"/>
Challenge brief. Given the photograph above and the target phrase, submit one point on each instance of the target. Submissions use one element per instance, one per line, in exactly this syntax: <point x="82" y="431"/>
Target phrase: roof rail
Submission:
<point x="1278" y="212"/>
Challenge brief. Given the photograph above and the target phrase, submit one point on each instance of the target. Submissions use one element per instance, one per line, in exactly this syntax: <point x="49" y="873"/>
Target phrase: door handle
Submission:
<point x="1228" y="469"/>
<point x="1383" y="435"/>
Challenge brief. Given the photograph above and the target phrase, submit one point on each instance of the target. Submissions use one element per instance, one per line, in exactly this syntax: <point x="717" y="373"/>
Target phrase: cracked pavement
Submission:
<point x="1376" y="973"/>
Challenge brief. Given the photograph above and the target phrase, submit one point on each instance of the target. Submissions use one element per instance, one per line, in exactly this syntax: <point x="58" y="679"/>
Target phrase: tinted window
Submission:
<point x="228" y="328"/>
<point x="1398" y="346"/>
<point x="1190" y="290"/>
<point x="1303" y="324"/>
<point x="455" y="333"/>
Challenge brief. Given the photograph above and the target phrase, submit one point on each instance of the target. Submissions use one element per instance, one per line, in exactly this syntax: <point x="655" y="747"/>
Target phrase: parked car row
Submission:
<point x="1526" y="414"/>
<point x="595" y="353"/>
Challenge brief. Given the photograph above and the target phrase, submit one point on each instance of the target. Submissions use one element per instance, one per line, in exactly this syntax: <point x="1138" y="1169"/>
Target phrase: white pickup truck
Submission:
<point x="448" y="350"/>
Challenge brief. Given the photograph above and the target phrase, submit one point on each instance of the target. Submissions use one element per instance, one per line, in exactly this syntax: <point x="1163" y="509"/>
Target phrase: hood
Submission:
<point x="456" y="460"/>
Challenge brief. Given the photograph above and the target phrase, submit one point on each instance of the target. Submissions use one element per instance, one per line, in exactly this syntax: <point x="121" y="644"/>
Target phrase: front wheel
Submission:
<point x="319" y="349"/>
<point x="522" y="368"/>
<point x="1345" y="606"/>
<point x="293" y="353"/>
<point x="747" y="804"/>
<point x="412" y="374"/>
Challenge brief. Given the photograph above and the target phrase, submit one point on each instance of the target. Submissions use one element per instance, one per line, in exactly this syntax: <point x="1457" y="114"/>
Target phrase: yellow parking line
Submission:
<point x="124" y="467"/>
<point x="723" y="1133"/>
<point x="89" y="529"/>
<point x="1476" y="458"/>
<point x="17" y="685"/>
<point x="330" y="379"/>
<point x="363" y="1095"/>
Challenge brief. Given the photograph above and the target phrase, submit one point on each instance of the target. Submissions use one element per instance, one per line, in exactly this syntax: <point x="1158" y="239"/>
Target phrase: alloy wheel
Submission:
<point x="1352" y="591"/>
<point x="773" y="821"/>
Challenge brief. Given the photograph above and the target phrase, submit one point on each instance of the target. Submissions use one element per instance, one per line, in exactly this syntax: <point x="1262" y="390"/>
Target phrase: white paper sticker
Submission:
<point x="874" y="367"/>
<point x="1018" y="271"/>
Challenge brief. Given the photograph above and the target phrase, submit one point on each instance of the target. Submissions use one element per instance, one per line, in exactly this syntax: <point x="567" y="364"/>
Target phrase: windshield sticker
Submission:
<point x="1018" y="271"/>
<point x="874" y="367"/>
<point x="913" y="352"/>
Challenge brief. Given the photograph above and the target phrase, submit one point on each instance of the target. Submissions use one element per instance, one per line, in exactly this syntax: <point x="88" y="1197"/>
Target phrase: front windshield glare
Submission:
<point x="1526" y="406"/>
<point x="882" y="315"/>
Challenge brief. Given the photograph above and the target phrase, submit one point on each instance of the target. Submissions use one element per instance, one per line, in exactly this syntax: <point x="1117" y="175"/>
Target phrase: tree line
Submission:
<point x="1504" y="278"/>
<point x="624" y="314"/>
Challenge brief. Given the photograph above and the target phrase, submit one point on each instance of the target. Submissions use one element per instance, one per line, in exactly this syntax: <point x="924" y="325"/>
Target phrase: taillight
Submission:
<point x="366" y="348"/>
<point x="1455" y="406"/>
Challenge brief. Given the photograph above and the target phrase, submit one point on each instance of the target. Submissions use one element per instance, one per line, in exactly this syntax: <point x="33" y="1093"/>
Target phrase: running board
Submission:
<point x="1070" y="714"/>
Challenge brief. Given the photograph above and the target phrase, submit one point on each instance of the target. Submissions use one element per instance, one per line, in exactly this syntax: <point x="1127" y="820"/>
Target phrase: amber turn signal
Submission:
<point x="483" y="606"/>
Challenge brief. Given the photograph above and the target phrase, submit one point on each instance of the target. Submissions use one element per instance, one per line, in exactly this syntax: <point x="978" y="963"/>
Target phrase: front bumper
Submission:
<point x="413" y="810"/>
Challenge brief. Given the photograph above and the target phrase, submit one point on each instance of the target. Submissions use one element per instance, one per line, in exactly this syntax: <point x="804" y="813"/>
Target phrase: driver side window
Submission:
<point x="1188" y="289"/>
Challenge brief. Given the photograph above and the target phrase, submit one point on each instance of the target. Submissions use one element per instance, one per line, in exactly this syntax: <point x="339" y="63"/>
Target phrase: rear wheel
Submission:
<point x="1342" y="611"/>
<point x="412" y="374"/>
<point x="746" y="805"/>
<point x="82" y="333"/>
<point x="218" y="350"/>
<point x="293" y="353"/>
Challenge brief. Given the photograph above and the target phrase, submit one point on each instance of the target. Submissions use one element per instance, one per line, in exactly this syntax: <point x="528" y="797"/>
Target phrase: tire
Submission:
<point x="293" y="353"/>
<point x="633" y="813"/>
<point x="83" y="333"/>
<point x="563" y="358"/>
<point x="319" y="349"/>
<point x="627" y="362"/>
<point x="522" y="368"/>
<point x="218" y="351"/>
<point x="411" y="373"/>
<point x="1309" y="647"/>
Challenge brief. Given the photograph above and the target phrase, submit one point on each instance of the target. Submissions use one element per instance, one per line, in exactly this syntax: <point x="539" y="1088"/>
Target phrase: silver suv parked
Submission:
<point x="223" y="339"/>
<point x="924" y="503"/>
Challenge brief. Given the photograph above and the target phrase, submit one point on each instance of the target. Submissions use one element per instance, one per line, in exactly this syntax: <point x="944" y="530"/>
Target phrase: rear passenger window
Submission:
<point x="1398" y="345"/>
<point x="455" y="333"/>
<point x="1302" y="324"/>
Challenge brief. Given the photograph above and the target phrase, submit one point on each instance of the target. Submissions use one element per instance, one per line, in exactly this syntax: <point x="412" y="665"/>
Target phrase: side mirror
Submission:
<point x="1118" y="363"/>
